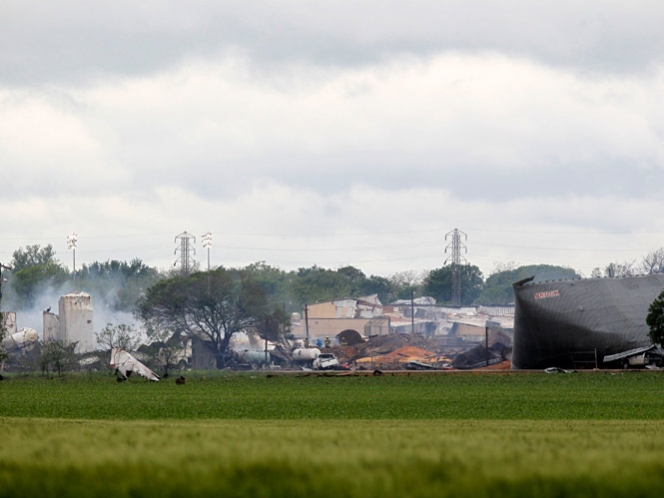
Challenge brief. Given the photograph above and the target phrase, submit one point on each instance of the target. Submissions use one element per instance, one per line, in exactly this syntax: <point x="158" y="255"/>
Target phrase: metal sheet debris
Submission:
<point x="125" y="364"/>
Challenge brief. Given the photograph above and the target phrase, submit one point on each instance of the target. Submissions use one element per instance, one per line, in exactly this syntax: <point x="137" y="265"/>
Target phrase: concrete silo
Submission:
<point x="51" y="326"/>
<point x="76" y="321"/>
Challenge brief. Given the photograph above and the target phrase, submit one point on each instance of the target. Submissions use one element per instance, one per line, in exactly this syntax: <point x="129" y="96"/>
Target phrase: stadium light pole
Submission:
<point x="207" y="244"/>
<point x="71" y="245"/>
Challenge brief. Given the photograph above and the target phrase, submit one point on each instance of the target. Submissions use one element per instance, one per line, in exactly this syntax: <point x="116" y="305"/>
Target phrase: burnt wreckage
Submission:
<point x="571" y="322"/>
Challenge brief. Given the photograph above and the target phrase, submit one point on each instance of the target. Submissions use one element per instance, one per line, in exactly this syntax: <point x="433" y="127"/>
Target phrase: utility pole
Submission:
<point x="186" y="251"/>
<point x="2" y="281"/>
<point x="412" y="311"/>
<point x="306" y="320"/>
<point x="456" y="246"/>
<point x="71" y="245"/>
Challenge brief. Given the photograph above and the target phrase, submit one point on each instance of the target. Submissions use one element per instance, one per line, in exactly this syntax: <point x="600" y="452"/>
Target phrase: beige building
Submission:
<point x="330" y="318"/>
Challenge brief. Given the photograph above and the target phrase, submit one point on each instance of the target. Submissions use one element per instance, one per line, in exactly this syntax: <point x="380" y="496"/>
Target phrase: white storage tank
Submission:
<point x="76" y="321"/>
<point x="254" y="357"/>
<point x="305" y="354"/>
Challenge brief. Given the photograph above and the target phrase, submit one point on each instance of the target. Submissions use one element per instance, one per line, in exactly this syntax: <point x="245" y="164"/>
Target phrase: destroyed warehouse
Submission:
<point x="577" y="323"/>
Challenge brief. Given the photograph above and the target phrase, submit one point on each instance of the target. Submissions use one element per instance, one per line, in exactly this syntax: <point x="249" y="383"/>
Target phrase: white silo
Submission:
<point x="76" y="321"/>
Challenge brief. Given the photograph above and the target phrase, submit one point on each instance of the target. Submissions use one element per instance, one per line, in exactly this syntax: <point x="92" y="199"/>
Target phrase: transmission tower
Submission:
<point x="187" y="250"/>
<point x="456" y="246"/>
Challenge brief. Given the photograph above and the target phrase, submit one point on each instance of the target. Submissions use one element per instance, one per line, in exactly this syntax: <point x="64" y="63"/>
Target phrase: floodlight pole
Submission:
<point x="71" y="244"/>
<point x="207" y="243"/>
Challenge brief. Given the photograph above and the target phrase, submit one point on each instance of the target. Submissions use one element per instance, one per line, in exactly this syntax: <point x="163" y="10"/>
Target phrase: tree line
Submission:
<point x="119" y="284"/>
<point x="212" y="306"/>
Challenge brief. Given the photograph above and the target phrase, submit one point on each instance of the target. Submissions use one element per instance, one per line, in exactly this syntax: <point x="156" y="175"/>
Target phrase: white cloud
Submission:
<point x="313" y="136"/>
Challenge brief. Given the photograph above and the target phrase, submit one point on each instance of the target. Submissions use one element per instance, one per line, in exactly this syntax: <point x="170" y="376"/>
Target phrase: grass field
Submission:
<point x="589" y="434"/>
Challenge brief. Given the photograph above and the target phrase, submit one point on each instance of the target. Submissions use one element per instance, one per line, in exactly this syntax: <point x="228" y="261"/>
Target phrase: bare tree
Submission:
<point x="167" y="351"/>
<point x="653" y="262"/>
<point x="118" y="336"/>
<point x="620" y="270"/>
<point x="596" y="273"/>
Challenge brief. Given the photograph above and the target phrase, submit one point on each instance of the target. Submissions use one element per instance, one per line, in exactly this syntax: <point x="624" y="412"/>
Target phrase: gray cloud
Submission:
<point x="77" y="41"/>
<point x="303" y="118"/>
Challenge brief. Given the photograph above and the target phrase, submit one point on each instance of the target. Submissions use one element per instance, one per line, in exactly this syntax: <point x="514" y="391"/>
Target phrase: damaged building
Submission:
<point x="573" y="323"/>
<point x="73" y="323"/>
<point x="330" y="318"/>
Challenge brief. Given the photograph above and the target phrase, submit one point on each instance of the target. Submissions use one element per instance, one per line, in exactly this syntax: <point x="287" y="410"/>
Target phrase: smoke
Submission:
<point x="104" y="293"/>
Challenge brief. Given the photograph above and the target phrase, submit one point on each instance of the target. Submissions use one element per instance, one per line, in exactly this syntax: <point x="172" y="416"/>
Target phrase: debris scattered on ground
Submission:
<point x="125" y="364"/>
<point x="553" y="370"/>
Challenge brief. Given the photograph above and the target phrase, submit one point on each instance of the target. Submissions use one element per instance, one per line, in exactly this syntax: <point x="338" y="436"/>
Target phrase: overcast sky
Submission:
<point x="334" y="132"/>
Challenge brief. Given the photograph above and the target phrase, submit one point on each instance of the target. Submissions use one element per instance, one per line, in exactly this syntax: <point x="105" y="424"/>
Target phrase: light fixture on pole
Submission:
<point x="207" y="243"/>
<point x="71" y="245"/>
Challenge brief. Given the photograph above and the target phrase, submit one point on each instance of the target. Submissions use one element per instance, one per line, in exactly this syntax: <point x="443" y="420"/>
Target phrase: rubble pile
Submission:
<point x="386" y="345"/>
<point x="500" y="350"/>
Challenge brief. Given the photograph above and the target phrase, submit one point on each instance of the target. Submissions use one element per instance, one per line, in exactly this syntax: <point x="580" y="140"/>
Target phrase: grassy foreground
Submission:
<point x="249" y="435"/>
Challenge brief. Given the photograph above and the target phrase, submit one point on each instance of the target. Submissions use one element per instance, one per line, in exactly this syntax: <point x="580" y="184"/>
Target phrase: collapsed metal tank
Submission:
<point x="21" y="339"/>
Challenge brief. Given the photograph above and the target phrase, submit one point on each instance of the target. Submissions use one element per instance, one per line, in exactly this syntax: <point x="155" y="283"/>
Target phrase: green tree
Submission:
<point x="275" y="282"/>
<point x="275" y="325"/>
<point x="655" y="320"/>
<point x="57" y="356"/>
<point x="209" y="306"/>
<point x="439" y="283"/>
<point x="32" y="256"/>
<point x="317" y="284"/>
<point x="3" y="331"/>
<point x="406" y="283"/>
<point x="119" y="284"/>
<point x="34" y="269"/>
<point x="498" y="286"/>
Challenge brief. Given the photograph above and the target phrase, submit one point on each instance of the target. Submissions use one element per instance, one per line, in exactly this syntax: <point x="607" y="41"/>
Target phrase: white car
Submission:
<point x="325" y="361"/>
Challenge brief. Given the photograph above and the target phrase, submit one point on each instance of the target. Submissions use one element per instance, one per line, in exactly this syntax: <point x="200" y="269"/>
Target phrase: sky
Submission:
<point x="334" y="133"/>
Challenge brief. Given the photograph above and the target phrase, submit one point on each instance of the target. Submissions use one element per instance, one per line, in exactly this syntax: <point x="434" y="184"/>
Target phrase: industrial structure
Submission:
<point x="572" y="323"/>
<point x="74" y="322"/>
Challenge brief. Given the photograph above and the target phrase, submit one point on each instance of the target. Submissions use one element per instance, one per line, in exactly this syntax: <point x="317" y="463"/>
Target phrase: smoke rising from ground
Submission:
<point x="49" y="296"/>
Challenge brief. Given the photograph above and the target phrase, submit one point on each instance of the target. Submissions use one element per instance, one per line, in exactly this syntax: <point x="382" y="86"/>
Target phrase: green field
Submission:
<point x="532" y="434"/>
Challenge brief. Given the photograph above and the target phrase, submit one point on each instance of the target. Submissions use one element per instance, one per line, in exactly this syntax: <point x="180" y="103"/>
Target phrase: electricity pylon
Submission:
<point x="186" y="251"/>
<point x="456" y="258"/>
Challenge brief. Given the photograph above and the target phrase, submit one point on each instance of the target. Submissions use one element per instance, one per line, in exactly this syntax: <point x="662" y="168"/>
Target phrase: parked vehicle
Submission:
<point x="325" y="361"/>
